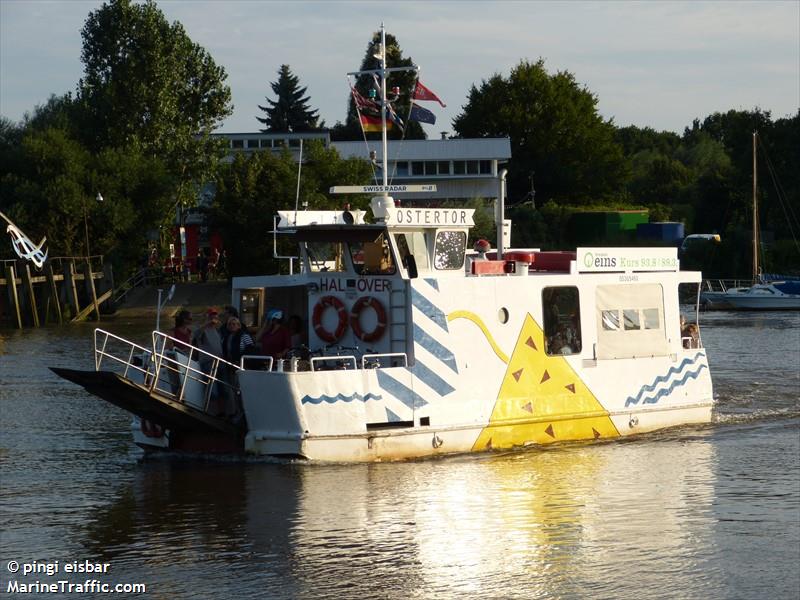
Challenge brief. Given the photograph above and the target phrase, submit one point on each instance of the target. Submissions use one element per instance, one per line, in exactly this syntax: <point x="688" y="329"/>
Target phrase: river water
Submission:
<point x="700" y="512"/>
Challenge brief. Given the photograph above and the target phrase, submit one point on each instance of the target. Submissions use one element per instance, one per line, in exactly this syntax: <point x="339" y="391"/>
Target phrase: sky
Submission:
<point x="658" y="64"/>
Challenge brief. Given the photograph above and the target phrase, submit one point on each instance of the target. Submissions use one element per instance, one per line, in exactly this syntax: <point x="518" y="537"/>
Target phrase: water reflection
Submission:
<point x="535" y="523"/>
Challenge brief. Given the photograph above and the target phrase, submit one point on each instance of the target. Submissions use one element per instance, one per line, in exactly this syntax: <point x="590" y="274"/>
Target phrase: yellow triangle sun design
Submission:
<point x="542" y="400"/>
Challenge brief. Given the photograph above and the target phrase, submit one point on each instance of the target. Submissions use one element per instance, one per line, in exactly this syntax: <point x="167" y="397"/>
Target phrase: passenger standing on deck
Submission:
<point x="235" y="342"/>
<point x="274" y="338"/>
<point x="182" y="330"/>
<point x="207" y="338"/>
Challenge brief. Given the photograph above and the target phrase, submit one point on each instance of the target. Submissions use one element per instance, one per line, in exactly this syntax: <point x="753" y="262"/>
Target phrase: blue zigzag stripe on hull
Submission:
<point x="668" y="390"/>
<point x="341" y="398"/>
<point x="434" y="283"/>
<point x="428" y="308"/>
<point x="646" y="389"/>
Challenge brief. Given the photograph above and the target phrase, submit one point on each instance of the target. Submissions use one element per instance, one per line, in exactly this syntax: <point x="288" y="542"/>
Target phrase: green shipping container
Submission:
<point x="606" y="226"/>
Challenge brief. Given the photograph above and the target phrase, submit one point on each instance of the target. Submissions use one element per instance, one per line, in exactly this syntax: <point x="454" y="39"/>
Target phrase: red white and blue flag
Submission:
<point x="423" y="93"/>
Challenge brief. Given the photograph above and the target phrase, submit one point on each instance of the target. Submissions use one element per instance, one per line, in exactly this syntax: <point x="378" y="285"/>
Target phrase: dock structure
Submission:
<point x="65" y="289"/>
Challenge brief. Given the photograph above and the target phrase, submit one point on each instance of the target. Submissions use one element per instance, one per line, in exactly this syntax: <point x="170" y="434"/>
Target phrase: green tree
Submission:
<point x="404" y="81"/>
<point x="290" y="111"/>
<point x="253" y="188"/>
<point x="147" y="85"/>
<point x="555" y="130"/>
<point x="54" y="187"/>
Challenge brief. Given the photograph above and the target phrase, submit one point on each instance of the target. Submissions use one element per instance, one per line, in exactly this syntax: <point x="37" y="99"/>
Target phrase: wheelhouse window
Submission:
<point x="325" y="256"/>
<point x="562" y="320"/>
<point x="372" y="258"/>
<point x="449" y="250"/>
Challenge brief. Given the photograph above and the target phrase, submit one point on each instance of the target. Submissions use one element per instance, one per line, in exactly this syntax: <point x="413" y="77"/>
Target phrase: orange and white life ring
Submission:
<point x="355" y="318"/>
<point x="316" y="319"/>
<point x="151" y="430"/>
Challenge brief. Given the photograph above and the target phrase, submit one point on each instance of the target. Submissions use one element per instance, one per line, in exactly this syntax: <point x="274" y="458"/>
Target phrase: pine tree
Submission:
<point x="351" y="129"/>
<point x="290" y="112"/>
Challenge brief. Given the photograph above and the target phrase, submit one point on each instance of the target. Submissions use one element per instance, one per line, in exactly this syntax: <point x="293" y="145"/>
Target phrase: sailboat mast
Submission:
<point x="755" y="210"/>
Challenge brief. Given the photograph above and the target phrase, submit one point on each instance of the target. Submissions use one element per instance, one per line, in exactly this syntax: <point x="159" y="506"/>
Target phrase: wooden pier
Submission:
<point x="65" y="289"/>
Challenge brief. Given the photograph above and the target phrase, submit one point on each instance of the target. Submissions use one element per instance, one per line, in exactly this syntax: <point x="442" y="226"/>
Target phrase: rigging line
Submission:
<point x="407" y="124"/>
<point x="788" y="212"/>
<point x="363" y="133"/>
<point x="776" y="182"/>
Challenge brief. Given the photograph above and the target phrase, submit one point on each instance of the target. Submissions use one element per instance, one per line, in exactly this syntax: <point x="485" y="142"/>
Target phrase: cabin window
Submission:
<point x="372" y="258"/>
<point x="630" y="321"/>
<point x="415" y="245"/>
<point x="562" y="320"/>
<point x="325" y="256"/>
<point x="448" y="252"/>
<point x="610" y="320"/>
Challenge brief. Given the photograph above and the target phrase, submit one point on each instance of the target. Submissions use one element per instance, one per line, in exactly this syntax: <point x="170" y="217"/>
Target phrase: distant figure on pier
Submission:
<point x="202" y="266"/>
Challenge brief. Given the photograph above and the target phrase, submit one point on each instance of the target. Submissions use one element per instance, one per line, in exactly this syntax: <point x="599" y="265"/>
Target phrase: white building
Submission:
<point x="462" y="169"/>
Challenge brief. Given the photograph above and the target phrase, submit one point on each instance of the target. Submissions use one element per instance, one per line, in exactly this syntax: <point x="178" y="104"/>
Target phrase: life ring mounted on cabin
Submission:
<point x="151" y="430"/>
<point x="355" y="318"/>
<point x="316" y="319"/>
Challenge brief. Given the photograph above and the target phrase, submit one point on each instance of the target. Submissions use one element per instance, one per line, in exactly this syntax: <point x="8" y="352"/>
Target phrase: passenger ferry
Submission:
<point x="425" y="347"/>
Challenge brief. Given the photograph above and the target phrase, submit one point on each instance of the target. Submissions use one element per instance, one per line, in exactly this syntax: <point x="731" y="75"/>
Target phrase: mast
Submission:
<point x="384" y="140"/>
<point x="379" y="204"/>
<point x="755" y="211"/>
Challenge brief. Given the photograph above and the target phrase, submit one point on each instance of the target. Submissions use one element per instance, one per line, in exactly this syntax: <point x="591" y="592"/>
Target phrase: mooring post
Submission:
<point x="88" y="279"/>
<point x="30" y="296"/>
<point x="71" y="289"/>
<point x="13" y="298"/>
<point x="54" y="299"/>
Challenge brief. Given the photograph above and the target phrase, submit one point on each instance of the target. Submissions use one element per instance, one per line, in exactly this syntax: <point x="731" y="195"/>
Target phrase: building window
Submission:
<point x="401" y="168"/>
<point x="486" y="167"/>
<point x="294" y="143"/>
<point x="459" y="167"/>
<point x="472" y="167"/>
<point x="252" y="144"/>
<point x="444" y="167"/>
<point x="266" y="143"/>
<point x="430" y="167"/>
<point x="237" y="144"/>
<point x="417" y="167"/>
<point x="562" y="320"/>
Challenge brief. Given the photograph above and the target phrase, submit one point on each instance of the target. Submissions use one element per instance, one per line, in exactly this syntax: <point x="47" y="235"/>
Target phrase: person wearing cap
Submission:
<point x="274" y="338"/>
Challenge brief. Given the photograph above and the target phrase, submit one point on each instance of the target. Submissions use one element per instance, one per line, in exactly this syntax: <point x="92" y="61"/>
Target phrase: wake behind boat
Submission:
<point x="423" y="349"/>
